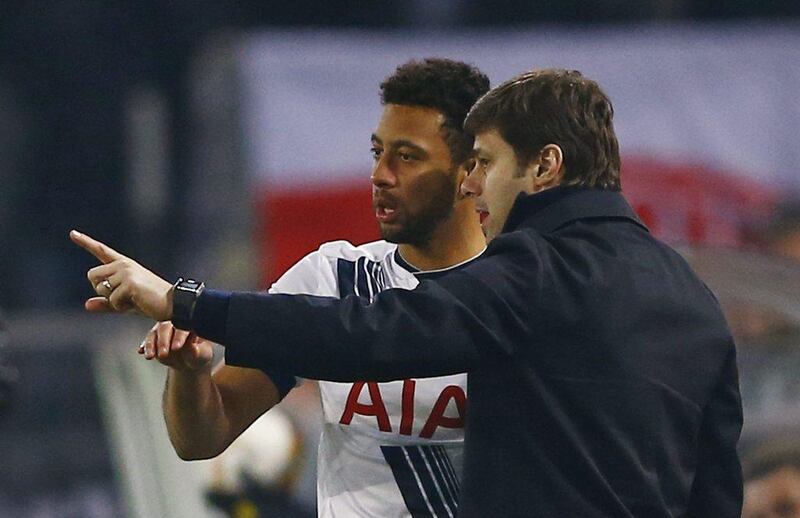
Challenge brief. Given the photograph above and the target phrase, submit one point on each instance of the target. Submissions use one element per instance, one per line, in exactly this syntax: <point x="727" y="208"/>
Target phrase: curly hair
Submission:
<point x="451" y="87"/>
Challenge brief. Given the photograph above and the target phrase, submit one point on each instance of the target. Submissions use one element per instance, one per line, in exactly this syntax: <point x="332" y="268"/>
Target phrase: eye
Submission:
<point x="376" y="152"/>
<point x="406" y="157"/>
<point x="480" y="165"/>
<point x="470" y="164"/>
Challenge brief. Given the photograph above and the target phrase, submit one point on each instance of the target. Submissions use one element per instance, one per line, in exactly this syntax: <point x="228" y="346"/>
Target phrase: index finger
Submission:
<point x="104" y="253"/>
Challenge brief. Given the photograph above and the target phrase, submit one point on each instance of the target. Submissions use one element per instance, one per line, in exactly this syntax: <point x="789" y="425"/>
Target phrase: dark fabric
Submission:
<point x="210" y="314"/>
<point x="602" y="374"/>
<point x="211" y="311"/>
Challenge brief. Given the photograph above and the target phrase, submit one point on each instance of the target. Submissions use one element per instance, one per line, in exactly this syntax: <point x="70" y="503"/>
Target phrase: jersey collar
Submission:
<point x="430" y="274"/>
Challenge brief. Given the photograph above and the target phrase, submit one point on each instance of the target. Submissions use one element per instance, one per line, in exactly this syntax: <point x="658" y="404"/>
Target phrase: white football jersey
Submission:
<point x="387" y="449"/>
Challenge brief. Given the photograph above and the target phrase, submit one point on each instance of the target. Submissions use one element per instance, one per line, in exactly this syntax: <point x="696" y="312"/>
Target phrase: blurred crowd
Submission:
<point x="67" y="68"/>
<point x="772" y="466"/>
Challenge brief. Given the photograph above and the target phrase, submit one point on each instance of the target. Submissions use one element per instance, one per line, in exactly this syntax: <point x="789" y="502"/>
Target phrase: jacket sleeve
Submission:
<point x="444" y="326"/>
<point x="717" y="487"/>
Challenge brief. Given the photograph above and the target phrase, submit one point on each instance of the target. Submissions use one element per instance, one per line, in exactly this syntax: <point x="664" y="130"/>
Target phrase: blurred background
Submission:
<point x="224" y="140"/>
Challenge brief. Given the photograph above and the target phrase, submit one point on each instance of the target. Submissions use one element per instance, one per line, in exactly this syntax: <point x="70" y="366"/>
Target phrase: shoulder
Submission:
<point x="374" y="251"/>
<point x="328" y="253"/>
<point x="512" y="265"/>
<point x="317" y="272"/>
<point x="521" y="245"/>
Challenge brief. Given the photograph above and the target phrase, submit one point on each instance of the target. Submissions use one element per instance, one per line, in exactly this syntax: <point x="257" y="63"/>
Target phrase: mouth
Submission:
<point x="483" y="213"/>
<point x="385" y="210"/>
<point x="483" y="216"/>
<point x="384" y="214"/>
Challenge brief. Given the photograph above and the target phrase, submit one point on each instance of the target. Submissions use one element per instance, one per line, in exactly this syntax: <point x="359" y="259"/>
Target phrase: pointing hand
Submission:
<point x="123" y="284"/>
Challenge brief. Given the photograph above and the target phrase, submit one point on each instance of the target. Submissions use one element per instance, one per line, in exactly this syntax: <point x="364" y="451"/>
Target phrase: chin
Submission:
<point x="392" y="234"/>
<point x="490" y="234"/>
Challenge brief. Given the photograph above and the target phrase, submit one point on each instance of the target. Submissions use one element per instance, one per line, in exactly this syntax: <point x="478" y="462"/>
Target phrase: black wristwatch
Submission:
<point x="184" y="299"/>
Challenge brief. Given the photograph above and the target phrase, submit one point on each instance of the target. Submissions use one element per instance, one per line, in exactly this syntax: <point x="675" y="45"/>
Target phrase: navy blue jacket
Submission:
<point x="602" y="374"/>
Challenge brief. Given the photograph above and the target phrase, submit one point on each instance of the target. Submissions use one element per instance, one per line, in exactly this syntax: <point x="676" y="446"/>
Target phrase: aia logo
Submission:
<point x="377" y="408"/>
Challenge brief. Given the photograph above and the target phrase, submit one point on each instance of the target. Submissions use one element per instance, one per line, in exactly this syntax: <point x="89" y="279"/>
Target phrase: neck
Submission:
<point x="454" y="241"/>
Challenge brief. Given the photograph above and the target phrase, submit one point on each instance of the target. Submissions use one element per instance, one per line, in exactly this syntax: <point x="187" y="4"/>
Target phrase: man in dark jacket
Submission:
<point x="602" y="374"/>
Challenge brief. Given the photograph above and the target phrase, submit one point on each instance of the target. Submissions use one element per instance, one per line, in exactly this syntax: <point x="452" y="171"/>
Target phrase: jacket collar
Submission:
<point x="551" y="209"/>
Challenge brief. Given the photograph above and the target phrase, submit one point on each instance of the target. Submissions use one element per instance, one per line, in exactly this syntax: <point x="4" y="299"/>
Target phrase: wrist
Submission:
<point x="188" y="373"/>
<point x="182" y="301"/>
<point x="169" y="312"/>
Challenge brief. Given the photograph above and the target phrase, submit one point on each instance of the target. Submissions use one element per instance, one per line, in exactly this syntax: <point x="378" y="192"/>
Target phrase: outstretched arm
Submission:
<point x="454" y="324"/>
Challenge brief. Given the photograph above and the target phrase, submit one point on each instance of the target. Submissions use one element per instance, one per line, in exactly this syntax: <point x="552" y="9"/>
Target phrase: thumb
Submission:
<point x="98" y="305"/>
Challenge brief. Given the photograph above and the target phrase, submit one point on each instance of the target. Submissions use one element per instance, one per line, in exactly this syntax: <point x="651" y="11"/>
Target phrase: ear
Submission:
<point x="549" y="168"/>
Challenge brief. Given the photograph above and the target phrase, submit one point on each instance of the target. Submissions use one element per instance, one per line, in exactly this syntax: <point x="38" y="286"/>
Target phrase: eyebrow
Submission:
<point x="401" y="143"/>
<point x="408" y="143"/>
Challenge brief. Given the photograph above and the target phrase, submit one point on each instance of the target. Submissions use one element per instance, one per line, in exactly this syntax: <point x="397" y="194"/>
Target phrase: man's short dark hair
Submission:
<point x="551" y="106"/>
<point x="451" y="87"/>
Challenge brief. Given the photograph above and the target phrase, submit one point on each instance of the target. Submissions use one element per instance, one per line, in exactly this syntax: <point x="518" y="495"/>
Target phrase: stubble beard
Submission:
<point x="418" y="229"/>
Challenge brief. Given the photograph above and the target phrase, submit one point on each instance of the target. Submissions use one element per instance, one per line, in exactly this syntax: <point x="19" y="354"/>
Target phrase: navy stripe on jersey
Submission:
<point x="346" y="271"/>
<point x="450" y="477"/>
<point x="424" y="479"/>
<point x="361" y="277"/>
<point x="424" y="474"/>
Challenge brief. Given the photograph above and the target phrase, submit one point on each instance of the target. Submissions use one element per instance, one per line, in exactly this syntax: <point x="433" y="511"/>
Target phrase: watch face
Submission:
<point x="189" y="285"/>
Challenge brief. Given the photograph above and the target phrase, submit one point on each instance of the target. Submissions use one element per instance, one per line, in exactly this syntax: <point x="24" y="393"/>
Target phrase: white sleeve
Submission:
<point x="314" y="274"/>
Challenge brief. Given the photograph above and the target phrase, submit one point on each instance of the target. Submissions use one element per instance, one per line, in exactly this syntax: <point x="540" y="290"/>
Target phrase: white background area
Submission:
<point x="724" y="97"/>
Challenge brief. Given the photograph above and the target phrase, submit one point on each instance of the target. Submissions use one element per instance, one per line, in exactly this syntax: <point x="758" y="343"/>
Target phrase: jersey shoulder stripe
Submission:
<point x="362" y="277"/>
<point x="318" y="272"/>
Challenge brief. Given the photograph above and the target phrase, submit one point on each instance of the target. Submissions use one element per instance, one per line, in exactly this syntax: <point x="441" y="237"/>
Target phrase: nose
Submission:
<point x="472" y="184"/>
<point x="382" y="175"/>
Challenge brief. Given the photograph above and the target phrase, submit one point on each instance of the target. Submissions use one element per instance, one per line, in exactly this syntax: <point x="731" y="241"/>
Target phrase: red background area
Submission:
<point x="680" y="204"/>
<point x="296" y="221"/>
